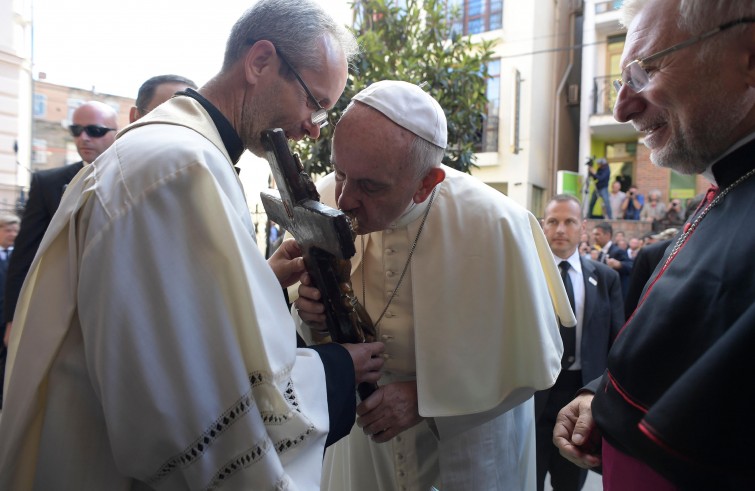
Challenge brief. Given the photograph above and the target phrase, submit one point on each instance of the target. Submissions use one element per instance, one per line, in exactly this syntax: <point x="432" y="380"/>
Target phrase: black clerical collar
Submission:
<point x="733" y="166"/>
<point x="231" y="140"/>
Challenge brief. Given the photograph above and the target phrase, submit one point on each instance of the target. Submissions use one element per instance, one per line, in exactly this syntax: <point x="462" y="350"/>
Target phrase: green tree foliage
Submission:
<point x="415" y="44"/>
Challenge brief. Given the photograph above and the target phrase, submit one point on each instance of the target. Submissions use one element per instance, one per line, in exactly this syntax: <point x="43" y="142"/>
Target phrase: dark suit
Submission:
<point x="603" y="316"/>
<point x="3" y="275"/>
<point x="644" y="264"/>
<point x="45" y="192"/>
<point x="616" y="252"/>
<point x="3" y="350"/>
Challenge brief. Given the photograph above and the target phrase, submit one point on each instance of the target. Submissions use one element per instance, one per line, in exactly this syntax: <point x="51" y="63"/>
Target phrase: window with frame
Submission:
<point x="475" y="16"/>
<point x="39" y="105"/>
<point x="489" y="137"/>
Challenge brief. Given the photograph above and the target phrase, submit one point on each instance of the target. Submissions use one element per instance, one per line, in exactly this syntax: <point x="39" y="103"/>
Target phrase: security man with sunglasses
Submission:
<point x="94" y="125"/>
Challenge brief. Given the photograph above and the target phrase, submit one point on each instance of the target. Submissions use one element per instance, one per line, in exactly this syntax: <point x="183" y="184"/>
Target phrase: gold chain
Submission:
<point x="693" y="226"/>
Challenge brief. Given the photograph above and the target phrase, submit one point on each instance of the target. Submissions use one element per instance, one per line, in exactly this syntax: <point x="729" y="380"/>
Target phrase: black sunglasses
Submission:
<point x="92" y="130"/>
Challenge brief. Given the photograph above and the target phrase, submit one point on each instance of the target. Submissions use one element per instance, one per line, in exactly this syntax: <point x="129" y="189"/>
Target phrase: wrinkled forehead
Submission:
<point x="653" y="29"/>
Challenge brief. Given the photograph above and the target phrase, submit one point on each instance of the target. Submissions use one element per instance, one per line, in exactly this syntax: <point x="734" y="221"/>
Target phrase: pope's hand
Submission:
<point x="575" y="433"/>
<point x="287" y="263"/>
<point x="389" y="410"/>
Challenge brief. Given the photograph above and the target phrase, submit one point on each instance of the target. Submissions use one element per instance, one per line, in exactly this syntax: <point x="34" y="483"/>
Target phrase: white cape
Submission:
<point x="487" y="258"/>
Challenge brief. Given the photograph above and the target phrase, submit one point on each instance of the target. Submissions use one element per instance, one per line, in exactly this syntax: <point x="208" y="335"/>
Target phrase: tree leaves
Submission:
<point x="415" y="44"/>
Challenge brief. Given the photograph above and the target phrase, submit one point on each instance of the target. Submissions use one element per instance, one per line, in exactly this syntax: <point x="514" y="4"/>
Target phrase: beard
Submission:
<point x="248" y="130"/>
<point x="708" y="133"/>
<point x="257" y="115"/>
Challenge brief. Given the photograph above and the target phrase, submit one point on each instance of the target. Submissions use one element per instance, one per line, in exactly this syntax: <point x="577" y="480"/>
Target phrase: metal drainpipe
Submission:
<point x="559" y="90"/>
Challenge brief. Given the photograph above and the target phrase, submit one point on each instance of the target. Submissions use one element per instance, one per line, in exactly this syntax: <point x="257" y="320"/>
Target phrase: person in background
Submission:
<point x="156" y="90"/>
<point x="607" y="252"/>
<point x="674" y="217"/>
<point x="595" y="290"/>
<point x="48" y="186"/>
<point x="634" y="246"/>
<point x="584" y="250"/>
<point x="9" y="225"/>
<point x="93" y="128"/>
<point x="654" y="208"/>
<point x="616" y="198"/>
<point x="673" y="410"/>
<point x="632" y="204"/>
<point x="601" y="177"/>
<point x="644" y="264"/>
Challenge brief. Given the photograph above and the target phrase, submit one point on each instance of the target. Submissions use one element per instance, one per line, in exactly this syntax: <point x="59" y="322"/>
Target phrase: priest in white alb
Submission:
<point x="152" y="347"/>
<point x="465" y="294"/>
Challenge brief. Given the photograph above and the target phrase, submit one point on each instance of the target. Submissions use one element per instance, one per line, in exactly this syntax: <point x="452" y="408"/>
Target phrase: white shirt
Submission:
<point x="578" y="285"/>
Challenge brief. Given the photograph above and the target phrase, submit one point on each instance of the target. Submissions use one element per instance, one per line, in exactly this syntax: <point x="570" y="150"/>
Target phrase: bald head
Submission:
<point x="96" y="124"/>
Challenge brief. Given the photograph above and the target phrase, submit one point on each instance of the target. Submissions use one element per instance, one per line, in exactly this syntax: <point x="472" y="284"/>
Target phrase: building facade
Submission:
<point x="532" y="127"/>
<point x="15" y="100"/>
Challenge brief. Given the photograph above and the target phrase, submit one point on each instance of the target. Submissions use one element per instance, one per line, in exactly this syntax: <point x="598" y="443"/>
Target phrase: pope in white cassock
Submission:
<point x="152" y="347"/>
<point x="465" y="294"/>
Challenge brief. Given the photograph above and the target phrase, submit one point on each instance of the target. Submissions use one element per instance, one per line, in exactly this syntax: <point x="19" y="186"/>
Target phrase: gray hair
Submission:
<point x="8" y="219"/>
<point x="292" y="26"/>
<point x="698" y="16"/>
<point x="424" y="156"/>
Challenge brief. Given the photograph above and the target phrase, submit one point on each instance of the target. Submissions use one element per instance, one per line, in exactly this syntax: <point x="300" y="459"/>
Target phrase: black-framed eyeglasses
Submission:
<point x="93" y="130"/>
<point x="319" y="117"/>
<point x="635" y="74"/>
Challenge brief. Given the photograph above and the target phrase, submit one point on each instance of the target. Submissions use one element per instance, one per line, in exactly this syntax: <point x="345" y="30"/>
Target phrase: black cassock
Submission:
<point x="679" y="392"/>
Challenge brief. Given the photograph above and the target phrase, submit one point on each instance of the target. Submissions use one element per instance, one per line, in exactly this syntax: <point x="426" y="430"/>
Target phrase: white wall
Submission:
<point x="15" y="97"/>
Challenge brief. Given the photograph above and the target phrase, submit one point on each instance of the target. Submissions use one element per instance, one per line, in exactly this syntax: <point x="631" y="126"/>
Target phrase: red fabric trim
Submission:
<point x="624" y="395"/>
<point x="652" y="435"/>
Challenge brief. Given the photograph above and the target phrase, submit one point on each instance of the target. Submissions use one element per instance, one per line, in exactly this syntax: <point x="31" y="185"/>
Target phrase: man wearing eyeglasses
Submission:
<point x="93" y="128"/>
<point x="154" y="348"/>
<point x="674" y="407"/>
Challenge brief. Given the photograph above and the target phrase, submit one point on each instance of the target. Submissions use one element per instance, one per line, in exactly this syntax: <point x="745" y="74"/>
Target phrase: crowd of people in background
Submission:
<point x="634" y="204"/>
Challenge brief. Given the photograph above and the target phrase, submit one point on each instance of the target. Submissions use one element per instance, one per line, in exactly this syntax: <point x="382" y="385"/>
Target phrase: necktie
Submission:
<point x="568" y="334"/>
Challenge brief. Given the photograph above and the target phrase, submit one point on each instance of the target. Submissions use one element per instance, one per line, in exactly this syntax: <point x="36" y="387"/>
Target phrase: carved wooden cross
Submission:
<point x="325" y="237"/>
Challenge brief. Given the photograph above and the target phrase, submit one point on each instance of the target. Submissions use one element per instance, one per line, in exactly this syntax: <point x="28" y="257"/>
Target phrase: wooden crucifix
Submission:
<point x="325" y="237"/>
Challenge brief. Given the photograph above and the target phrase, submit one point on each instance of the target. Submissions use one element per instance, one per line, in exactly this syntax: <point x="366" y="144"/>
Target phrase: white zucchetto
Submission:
<point x="408" y="106"/>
